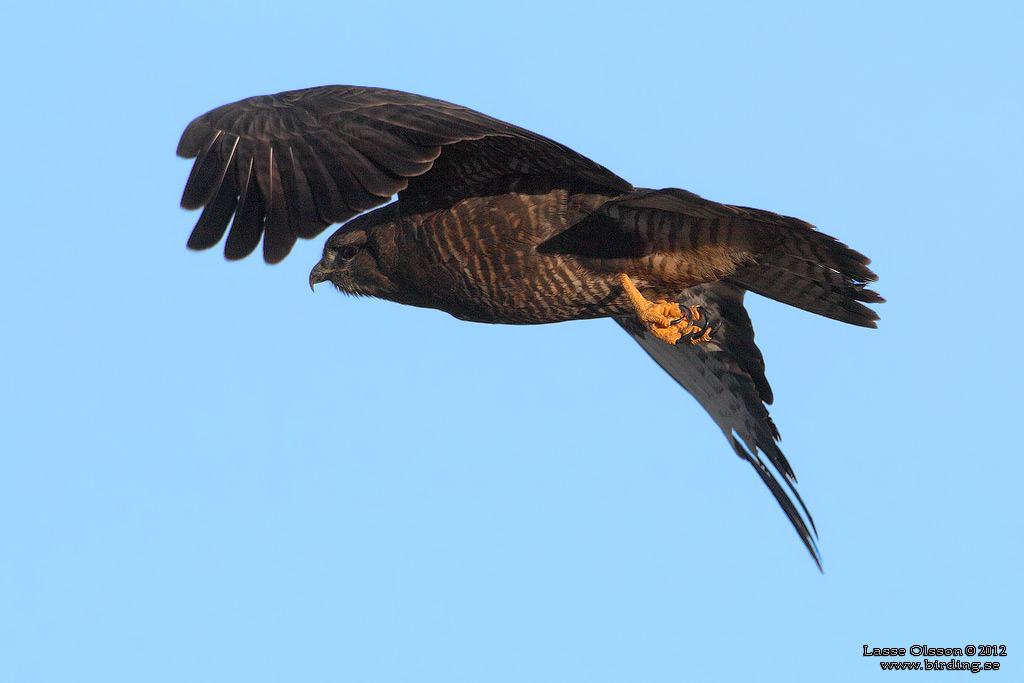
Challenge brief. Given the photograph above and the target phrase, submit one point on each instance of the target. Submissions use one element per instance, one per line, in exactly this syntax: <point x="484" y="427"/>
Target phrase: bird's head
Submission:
<point x="351" y="262"/>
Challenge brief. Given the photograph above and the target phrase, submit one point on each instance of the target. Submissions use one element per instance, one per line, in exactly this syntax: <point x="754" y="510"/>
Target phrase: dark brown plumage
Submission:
<point x="496" y="224"/>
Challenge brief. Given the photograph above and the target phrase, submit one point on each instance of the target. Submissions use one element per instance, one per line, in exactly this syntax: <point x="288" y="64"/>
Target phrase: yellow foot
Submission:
<point x="665" y="319"/>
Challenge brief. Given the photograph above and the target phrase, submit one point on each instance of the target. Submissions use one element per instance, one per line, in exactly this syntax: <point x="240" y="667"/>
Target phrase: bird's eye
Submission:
<point x="348" y="252"/>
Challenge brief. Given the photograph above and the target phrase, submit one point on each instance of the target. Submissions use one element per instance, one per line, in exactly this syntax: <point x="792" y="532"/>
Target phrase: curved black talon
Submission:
<point x="702" y="327"/>
<point x="702" y="314"/>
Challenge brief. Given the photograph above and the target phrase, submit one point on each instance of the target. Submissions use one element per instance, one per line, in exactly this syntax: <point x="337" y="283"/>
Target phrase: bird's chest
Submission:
<point x="479" y="261"/>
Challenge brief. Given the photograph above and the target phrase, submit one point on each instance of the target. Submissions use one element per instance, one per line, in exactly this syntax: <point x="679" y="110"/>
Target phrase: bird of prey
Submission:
<point x="496" y="224"/>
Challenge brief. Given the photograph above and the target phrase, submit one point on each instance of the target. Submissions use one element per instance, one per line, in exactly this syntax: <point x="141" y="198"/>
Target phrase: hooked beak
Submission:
<point x="318" y="274"/>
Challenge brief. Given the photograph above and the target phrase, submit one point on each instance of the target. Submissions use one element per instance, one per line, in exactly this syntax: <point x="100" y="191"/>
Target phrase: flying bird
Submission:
<point x="496" y="224"/>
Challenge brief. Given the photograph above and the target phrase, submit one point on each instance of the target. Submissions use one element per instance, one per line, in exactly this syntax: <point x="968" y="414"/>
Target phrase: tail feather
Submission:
<point x="808" y="269"/>
<point x="839" y="302"/>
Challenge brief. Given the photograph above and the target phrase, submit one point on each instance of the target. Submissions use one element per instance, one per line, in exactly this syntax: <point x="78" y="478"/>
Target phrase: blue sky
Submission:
<point x="210" y="474"/>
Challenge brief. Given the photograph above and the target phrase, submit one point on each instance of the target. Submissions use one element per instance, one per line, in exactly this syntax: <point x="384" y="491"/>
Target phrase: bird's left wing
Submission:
<point x="726" y="376"/>
<point x="288" y="165"/>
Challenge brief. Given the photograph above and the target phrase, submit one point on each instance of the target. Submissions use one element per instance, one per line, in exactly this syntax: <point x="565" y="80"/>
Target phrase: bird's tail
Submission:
<point x="776" y="256"/>
<point x="783" y="258"/>
<point x="802" y="267"/>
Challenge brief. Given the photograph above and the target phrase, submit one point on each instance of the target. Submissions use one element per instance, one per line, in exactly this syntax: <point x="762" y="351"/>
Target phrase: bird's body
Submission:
<point x="496" y="224"/>
<point x="480" y="260"/>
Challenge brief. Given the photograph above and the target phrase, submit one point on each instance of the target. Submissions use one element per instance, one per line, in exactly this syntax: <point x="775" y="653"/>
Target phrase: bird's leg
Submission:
<point x="665" y="319"/>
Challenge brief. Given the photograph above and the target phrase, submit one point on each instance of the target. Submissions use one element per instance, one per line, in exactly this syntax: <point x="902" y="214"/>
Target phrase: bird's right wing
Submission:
<point x="288" y="165"/>
<point x="726" y="376"/>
